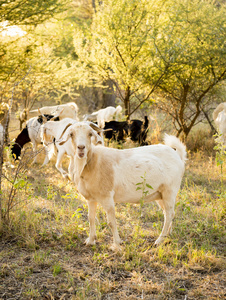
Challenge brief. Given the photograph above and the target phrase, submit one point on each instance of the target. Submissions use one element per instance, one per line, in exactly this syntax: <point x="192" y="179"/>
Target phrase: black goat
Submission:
<point x="119" y="130"/>
<point x="137" y="130"/>
<point x="31" y="133"/>
<point x="20" y="141"/>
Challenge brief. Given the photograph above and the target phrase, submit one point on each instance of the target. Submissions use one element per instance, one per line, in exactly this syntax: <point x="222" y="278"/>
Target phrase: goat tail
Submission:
<point x="146" y="122"/>
<point x="73" y="105"/>
<point x="95" y="113"/>
<point x="219" y="108"/>
<point x="173" y="142"/>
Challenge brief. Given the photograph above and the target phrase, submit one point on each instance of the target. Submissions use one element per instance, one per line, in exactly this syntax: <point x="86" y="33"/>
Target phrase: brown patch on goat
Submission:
<point x="101" y="182"/>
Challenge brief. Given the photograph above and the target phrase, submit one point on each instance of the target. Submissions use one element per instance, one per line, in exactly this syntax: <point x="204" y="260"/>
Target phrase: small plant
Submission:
<point x="145" y="188"/>
<point x="57" y="269"/>
<point x="14" y="184"/>
<point x="51" y="193"/>
<point x="31" y="293"/>
<point x="41" y="257"/>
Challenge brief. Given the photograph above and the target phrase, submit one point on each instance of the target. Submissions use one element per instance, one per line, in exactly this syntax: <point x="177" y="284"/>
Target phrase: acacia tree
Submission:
<point x="16" y="53"/>
<point x="177" y="46"/>
<point x="192" y="45"/>
<point x="117" y="48"/>
<point x="20" y="57"/>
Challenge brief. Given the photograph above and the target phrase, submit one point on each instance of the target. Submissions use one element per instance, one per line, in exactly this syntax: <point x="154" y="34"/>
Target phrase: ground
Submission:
<point x="82" y="276"/>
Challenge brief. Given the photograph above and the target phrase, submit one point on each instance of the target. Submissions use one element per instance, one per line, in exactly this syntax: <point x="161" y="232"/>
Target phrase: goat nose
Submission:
<point x="81" y="147"/>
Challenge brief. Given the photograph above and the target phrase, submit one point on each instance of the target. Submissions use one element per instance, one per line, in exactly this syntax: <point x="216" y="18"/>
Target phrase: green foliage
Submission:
<point x="152" y="51"/>
<point x="166" y="47"/>
<point x="120" y="51"/>
<point x="195" y="59"/>
<point x="30" y="12"/>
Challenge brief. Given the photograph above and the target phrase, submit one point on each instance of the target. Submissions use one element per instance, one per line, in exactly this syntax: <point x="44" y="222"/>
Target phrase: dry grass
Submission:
<point x="42" y="255"/>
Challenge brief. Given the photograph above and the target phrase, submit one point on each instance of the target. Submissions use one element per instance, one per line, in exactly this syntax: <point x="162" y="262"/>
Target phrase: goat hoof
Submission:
<point x="160" y="241"/>
<point x="88" y="241"/>
<point x="115" y="248"/>
<point x="45" y="163"/>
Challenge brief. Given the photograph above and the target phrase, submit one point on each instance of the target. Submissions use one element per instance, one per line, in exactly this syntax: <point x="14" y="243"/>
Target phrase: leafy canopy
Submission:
<point x="174" y="48"/>
<point x="30" y="12"/>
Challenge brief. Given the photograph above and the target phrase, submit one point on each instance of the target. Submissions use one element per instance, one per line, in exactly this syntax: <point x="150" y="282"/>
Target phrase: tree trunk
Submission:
<point x="127" y="103"/>
<point x="208" y="119"/>
<point x="109" y="95"/>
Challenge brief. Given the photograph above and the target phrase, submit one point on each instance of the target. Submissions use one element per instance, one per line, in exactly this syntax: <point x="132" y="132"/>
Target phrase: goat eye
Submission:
<point x="71" y="135"/>
<point x="90" y="134"/>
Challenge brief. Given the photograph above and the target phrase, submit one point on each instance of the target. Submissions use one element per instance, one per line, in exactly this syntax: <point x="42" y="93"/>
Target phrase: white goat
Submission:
<point x="219" y="116"/>
<point x="52" y="132"/>
<point x="104" y="115"/>
<point x="67" y="110"/>
<point x="106" y="175"/>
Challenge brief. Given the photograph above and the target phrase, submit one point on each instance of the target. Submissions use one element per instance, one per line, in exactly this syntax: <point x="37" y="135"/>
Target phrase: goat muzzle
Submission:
<point x="81" y="151"/>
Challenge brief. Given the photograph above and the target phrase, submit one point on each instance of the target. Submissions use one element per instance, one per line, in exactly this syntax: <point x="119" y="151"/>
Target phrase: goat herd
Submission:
<point x="105" y="175"/>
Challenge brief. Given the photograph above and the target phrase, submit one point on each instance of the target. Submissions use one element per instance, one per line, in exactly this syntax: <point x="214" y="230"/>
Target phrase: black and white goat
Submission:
<point x="135" y="129"/>
<point x="31" y="133"/>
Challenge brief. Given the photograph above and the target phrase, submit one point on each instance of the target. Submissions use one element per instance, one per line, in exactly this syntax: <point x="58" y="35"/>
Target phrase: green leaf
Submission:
<point x="149" y="186"/>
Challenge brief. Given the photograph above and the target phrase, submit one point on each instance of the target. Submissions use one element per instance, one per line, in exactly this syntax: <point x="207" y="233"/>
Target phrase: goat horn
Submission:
<point x="68" y="125"/>
<point x="41" y="113"/>
<point x="59" y="113"/>
<point x="44" y="117"/>
<point x="95" y="127"/>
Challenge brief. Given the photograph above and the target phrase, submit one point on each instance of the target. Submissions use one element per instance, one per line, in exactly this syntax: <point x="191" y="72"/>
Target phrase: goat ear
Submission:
<point x="94" y="127"/>
<point x="68" y="125"/>
<point x="65" y="137"/>
<point x="63" y="141"/>
<point x="59" y="113"/>
<point x="44" y="134"/>
<point x="98" y="137"/>
<point x="108" y="129"/>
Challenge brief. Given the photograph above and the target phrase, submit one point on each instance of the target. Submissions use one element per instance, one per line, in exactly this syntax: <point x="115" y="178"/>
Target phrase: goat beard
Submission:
<point x="80" y="164"/>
